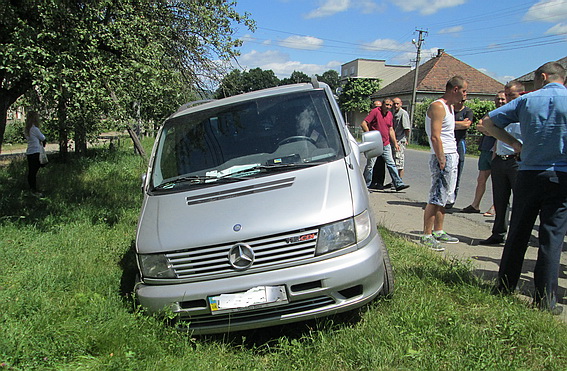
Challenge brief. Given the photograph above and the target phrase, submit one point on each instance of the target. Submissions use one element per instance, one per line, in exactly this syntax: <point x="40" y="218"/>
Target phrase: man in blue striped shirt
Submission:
<point x="541" y="183"/>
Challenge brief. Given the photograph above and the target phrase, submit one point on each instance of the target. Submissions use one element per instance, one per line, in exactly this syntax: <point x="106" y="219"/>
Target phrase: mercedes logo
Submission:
<point x="241" y="256"/>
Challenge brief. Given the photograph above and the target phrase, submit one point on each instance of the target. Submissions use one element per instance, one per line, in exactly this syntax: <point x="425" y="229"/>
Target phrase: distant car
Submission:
<point x="255" y="213"/>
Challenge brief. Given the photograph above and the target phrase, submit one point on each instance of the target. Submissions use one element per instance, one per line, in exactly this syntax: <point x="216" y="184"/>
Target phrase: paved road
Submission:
<point x="403" y="213"/>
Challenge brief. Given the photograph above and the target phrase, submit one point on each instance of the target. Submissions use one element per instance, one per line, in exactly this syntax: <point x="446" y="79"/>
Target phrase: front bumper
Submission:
<point x="314" y="290"/>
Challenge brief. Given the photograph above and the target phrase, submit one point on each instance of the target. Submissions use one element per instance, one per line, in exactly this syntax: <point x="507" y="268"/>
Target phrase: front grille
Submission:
<point x="269" y="251"/>
<point x="204" y="321"/>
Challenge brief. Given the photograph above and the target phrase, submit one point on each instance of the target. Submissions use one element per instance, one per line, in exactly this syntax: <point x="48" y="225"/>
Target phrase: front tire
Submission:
<point x="388" y="288"/>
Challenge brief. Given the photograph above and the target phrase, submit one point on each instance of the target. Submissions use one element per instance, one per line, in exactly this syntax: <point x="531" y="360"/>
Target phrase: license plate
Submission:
<point x="257" y="297"/>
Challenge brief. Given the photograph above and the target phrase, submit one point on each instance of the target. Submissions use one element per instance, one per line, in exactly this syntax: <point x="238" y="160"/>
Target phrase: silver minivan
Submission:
<point x="255" y="213"/>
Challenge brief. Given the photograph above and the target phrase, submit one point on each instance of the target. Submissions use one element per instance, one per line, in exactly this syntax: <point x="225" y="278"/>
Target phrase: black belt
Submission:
<point x="507" y="157"/>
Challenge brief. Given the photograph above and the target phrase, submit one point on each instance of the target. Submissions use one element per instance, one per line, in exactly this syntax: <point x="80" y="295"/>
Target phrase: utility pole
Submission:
<point x="417" y="43"/>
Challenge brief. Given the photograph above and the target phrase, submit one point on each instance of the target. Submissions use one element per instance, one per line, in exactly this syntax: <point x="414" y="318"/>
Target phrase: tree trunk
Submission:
<point x="62" y="126"/>
<point x="80" y="139"/>
<point x="3" y="119"/>
<point x="9" y="96"/>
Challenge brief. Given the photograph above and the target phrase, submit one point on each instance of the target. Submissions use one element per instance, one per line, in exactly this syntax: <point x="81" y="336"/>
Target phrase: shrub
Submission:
<point x="15" y="132"/>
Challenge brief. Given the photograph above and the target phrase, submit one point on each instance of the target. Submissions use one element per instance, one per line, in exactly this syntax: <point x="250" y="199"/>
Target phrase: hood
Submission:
<point x="239" y="211"/>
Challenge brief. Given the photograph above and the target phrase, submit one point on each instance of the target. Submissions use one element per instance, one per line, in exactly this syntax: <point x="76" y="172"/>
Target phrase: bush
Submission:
<point x="15" y="132"/>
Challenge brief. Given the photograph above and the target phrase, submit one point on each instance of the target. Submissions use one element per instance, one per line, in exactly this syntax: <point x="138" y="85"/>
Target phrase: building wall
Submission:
<point x="373" y="69"/>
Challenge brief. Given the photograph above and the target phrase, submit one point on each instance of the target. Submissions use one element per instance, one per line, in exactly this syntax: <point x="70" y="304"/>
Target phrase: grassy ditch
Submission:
<point x="65" y="275"/>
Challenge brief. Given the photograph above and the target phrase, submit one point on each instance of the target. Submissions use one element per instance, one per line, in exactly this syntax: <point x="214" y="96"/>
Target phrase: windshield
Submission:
<point x="247" y="139"/>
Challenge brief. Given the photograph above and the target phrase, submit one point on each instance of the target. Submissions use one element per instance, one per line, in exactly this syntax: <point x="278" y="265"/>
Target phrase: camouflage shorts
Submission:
<point x="443" y="182"/>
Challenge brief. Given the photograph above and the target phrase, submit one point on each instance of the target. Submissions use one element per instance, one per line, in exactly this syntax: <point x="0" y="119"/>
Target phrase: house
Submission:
<point x="432" y="78"/>
<point x="373" y="69"/>
<point x="528" y="79"/>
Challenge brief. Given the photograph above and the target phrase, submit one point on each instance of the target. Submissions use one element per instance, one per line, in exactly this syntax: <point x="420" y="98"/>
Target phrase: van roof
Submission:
<point x="212" y="103"/>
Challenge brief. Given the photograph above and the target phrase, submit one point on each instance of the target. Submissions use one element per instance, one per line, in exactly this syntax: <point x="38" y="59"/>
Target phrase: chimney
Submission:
<point x="440" y="52"/>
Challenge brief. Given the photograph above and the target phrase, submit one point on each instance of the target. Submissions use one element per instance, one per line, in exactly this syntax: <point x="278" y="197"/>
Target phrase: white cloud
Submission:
<point x="548" y="11"/>
<point x="302" y="42"/>
<point x="281" y="65"/>
<point x="369" y="6"/>
<point x="387" y="45"/>
<point x="503" y="79"/>
<point x="558" y="29"/>
<point x="255" y="59"/>
<point x="405" y="52"/>
<point x="328" y="8"/>
<point x="455" y="29"/>
<point x="426" y="7"/>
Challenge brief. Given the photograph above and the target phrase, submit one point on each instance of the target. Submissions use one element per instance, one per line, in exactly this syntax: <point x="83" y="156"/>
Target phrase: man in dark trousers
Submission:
<point x="541" y="183"/>
<point x="504" y="170"/>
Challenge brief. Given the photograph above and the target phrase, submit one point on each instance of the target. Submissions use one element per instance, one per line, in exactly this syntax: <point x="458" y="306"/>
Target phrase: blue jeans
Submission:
<point x="390" y="165"/>
<point x="542" y="193"/>
<point x="461" y="150"/>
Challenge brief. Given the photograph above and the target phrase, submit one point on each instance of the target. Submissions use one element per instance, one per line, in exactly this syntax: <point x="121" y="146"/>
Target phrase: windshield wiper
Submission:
<point x="195" y="179"/>
<point x="232" y="174"/>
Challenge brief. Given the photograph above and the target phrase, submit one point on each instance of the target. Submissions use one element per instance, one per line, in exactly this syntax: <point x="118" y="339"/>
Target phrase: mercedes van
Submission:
<point x="255" y="213"/>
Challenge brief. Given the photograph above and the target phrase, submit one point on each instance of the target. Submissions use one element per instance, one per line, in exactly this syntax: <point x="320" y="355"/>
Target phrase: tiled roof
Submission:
<point x="433" y="76"/>
<point x="530" y="76"/>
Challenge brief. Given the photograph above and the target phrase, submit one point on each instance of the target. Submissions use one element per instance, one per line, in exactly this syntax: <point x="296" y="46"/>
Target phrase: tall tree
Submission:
<point x="237" y="82"/>
<point x="78" y="53"/>
<point x="356" y="93"/>
<point x="331" y="78"/>
<point x="296" y="77"/>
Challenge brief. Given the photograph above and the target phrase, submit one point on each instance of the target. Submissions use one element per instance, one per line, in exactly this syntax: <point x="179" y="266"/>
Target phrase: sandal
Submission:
<point x="490" y="212"/>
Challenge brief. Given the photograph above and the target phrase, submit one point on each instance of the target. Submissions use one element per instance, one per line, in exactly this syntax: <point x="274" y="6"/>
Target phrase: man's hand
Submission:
<point x="442" y="162"/>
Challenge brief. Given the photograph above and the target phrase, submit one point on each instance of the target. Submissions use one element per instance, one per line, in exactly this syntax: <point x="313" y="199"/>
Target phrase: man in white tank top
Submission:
<point x="440" y="129"/>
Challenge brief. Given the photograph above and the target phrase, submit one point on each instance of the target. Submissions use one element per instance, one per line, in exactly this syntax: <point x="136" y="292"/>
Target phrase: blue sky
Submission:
<point x="502" y="38"/>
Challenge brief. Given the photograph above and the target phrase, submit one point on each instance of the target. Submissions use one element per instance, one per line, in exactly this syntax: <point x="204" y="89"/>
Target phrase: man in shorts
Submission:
<point x="402" y="129"/>
<point x="440" y="129"/>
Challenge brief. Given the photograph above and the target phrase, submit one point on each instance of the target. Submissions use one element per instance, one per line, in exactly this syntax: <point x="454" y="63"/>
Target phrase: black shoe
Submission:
<point x="492" y="240"/>
<point x="555" y="311"/>
<point x="402" y="187"/>
<point x="449" y="206"/>
<point x="375" y="186"/>
<point x="388" y="186"/>
<point x="470" y="210"/>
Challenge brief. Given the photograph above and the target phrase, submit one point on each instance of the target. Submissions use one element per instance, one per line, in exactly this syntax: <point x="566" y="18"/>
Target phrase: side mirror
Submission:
<point x="371" y="145"/>
<point x="144" y="177"/>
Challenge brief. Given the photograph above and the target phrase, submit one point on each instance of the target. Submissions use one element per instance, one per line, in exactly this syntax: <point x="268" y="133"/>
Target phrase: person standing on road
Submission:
<point x="463" y="119"/>
<point x="382" y="120"/>
<point x="541" y="182"/>
<point x="504" y="170"/>
<point x="402" y="128"/>
<point x="36" y="141"/>
<point x="485" y="146"/>
<point x="440" y="129"/>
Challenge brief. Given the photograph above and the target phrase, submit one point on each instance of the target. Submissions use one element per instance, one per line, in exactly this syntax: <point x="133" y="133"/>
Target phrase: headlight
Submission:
<point x="363" y="226"/>
<point x="335" y="236"/>
<point x="155" y="266"/>
<point x="344" y="233"/>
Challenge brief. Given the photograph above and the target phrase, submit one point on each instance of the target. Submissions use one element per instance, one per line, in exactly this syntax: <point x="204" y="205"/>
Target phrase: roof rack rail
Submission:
<point x="314" y="82"/>
<point x="194" y="103"/>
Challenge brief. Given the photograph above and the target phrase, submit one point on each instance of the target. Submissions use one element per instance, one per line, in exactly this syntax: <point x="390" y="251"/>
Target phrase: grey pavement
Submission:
<point x="402" y="213"/>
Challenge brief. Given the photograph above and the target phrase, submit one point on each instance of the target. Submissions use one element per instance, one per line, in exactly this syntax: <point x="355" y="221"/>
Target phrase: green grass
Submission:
<point x="66" y="270"/>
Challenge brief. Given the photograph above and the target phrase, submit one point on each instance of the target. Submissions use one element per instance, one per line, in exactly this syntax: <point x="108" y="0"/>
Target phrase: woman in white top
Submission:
<point x="36" y="140"/>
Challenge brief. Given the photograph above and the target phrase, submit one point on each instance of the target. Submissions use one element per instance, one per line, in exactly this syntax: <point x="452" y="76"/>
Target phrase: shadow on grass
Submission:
<point x="264" y="340"/>
<point x="81" y="187"/>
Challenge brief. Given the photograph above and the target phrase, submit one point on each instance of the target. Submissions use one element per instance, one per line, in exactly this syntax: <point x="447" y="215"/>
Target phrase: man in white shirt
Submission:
<point x="440" y="129"/>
